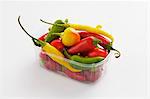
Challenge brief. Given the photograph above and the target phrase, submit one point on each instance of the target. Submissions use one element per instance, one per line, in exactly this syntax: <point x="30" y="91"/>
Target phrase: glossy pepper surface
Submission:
<point x="92" y="30"/>
<point x="82" y="63"/>
<point x="57" y="44"/>
<point x="84" y="45"/>
<point x="69" y="37"/>
<point x="86" y="60"/>
<point x="104" y="41"/>
<point x="97" y="52"/>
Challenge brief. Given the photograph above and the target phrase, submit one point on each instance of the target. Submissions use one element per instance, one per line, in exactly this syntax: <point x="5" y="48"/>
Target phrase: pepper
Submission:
<point x="57" y="44"/>
<point x="55" y="29"/>
<point x="84" y="34"/>
<point x="51" y="51"/>
<point x="91" y="30"/>
<point x="86" y="60"/>
<point x="85" y="28"/>
<point x="97" y="52"/>
<point x="84" y="45"/>
<point x="82" y="63"/>
<point x="69" y="37"/>
<point x="104" y="41"/>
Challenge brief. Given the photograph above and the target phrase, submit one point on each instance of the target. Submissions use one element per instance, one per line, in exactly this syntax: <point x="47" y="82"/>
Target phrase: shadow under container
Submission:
<point x="88" y="73"/>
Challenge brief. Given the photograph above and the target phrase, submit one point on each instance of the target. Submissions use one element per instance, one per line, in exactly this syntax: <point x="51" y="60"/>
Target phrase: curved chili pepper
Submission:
<point x="84" y="45"/>
<point x="85" y="28"/>
<point x="55" y="54"/>
<point x="86" y="60"/>
<point x="104" y="42"/>
<point x="82" y="63"/>
<point x="84" y="34"/>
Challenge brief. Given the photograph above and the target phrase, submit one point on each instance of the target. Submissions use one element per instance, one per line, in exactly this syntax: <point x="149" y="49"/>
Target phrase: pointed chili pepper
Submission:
<point x="82" y="63"/>
<point x="84" y="34"/>
<point x="104" y="41"/>
<point x="84" y="45"/>
<point x="86" y="60"/>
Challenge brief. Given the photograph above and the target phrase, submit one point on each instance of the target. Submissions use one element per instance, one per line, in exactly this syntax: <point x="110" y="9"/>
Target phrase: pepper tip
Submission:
<point x="117" y="55"/>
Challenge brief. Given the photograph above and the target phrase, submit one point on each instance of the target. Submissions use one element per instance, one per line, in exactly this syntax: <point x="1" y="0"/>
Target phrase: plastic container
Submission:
<point x="89" y="73"/>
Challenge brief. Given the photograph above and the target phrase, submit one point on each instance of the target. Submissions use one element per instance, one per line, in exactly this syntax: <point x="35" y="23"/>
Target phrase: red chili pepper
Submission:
<point x="105" y="43"/>
<point x="58" y="44"/>
<point x="84" y="45"/>
<point x="84" y="34"/>
<point x="97" y="52"/>
<point x="42" y="37"/>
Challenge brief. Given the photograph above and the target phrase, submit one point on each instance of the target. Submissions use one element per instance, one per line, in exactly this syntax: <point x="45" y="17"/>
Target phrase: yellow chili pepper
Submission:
<point x="58" y="57"/>
<point x="55" y="54"/>
<point x="85" y="28"/>
<point x="92" y="30"/>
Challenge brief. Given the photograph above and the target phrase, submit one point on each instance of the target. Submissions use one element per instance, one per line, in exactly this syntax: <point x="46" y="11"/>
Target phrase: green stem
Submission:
<point x="66" y="53"/>
<point x="96" y="41"/>
<point x="46" y="22"/>
<point x="62" y="25"/>
<point x="117" y="54"/>
<point x="33" y="38"/>
<point x="109" y="47"/>
<point x="57" y="34"/>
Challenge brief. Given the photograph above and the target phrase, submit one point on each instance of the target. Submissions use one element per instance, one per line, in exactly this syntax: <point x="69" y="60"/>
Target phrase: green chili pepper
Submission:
<point x="82" y="63"/>
<point x="86" y="60"/>
<point x="81" y="66"/>
<point x="55" y="29"/>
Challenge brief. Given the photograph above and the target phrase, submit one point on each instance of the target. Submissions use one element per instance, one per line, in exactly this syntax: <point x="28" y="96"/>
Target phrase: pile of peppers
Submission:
<point x="79" y="43"/>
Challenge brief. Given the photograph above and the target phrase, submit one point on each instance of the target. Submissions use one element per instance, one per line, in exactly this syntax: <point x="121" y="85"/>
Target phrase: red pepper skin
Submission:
<point x="57" y="44"/>
<point x="97" y="52"/>
<point x="84" y="45"/>
<point x="42" y="37"/>
<point x="104" y="41"/>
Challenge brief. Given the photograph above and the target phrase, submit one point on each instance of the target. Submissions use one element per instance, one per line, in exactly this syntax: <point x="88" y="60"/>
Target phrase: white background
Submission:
<point x="22" y="75"/>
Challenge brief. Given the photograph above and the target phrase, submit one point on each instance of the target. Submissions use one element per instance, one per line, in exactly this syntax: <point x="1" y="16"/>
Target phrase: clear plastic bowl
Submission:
<point x="89" y="73"/>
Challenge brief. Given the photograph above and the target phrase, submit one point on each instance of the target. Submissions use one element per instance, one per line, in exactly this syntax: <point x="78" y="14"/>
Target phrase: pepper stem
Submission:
<point x="36" y="41"/>
<point x="96" y="41"/>
<point x="109" y="47"/>
<point x="46" y="22"/>
<point x="62" y="25"/>
<point x="117" y="54"/>
<point x="57" y="34"/>
<point x="66" y="53"/>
